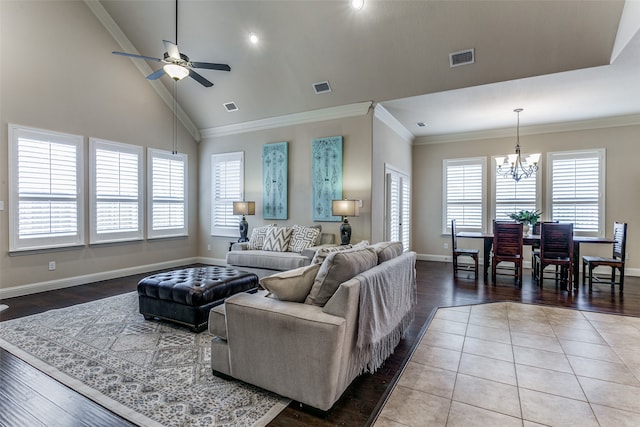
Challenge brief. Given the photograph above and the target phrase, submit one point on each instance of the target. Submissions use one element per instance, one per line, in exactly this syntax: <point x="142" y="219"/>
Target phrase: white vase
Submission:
<point x="525" y="229"/>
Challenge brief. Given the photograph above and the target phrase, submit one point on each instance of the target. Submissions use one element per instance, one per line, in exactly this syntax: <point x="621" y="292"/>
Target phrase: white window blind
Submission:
<point x="168" y="194"/>
<point x="116" y="199"/>
<point x="45" y="183"/>
<point x="577" y="189"/>
<point x="463" y="193"/>
<point x="398" y="207"/>
<point x="511" y="196"/>
<point x="227" y="186"/>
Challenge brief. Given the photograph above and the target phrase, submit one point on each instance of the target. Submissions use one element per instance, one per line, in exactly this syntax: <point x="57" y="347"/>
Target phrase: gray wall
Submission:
<point x="57" y="73"/>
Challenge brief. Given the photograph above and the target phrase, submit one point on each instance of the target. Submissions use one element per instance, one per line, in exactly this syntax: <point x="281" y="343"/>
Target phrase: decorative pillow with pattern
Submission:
<point x="303" y="238"/>
<point x="258" y="235"/>
<point x="277" y="239"/>
<point x="324" y="251"/>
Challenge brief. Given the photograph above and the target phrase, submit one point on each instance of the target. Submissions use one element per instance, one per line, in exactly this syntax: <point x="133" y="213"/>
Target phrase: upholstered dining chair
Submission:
<point x="458" y="252"/>
<point x="507" y="247"/>
<point x="616" y="262"/>
<point x="556" y="248"/>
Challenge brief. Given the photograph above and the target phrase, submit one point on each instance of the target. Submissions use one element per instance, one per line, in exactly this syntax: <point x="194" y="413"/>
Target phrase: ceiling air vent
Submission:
<point x="463" y="57"/>
<point x="321" y="87"/>
<point x="231" y="107"/>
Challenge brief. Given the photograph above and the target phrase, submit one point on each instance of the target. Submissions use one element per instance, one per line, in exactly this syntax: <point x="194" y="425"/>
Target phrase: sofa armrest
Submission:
<point x="290" y="348"/>
<point x="240" y="246"/>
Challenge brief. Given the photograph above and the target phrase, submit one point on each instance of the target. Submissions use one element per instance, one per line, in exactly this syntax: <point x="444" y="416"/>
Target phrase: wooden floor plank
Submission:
<point x="364" y="397"/>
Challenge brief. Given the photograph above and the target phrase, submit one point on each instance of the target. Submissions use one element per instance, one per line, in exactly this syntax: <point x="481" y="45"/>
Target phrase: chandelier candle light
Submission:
<point x="244" y="208"/>
<point x="513" y="166"/>
<point x="345" y="208"/>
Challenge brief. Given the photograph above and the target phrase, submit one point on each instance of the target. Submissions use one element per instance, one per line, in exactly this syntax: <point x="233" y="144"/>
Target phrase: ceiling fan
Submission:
<point x="177" y="65"/>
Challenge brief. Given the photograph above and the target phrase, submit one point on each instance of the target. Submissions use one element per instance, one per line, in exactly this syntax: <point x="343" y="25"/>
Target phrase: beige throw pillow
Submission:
<point x="387" y="250"/>
<point x="293" y="285"/>
<point x="337" y="268"/>
<point x="323" y="252"/>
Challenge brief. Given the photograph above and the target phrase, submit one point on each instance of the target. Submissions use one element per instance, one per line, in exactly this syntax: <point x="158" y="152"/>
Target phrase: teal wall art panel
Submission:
<point x="275" y="175"/>
<point x="326" y="172"/>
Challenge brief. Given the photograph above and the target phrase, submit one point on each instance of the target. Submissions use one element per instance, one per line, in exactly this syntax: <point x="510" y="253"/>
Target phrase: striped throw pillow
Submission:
<point x="277" y="239"/>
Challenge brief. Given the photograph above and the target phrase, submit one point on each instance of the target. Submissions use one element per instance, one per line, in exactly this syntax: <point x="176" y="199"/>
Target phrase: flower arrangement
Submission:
<point x="526" y="217"/>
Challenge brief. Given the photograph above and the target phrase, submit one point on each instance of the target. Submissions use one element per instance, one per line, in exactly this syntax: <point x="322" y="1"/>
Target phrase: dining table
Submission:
<point x="531" y="240"/>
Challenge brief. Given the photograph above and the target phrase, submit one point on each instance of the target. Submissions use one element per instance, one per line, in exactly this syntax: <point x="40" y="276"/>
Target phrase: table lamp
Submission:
<point x="345" y="208"/>
<point x="244" y="208"/>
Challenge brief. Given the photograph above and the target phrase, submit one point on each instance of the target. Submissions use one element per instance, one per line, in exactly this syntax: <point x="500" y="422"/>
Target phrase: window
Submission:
<point x="116" y="196"/>
<point x="463" y="193"/>
<point x="576" y="186"/>
<point x="167" y="194"/>
<point x="398" y="196"/>
<point x="511" y="196"/>
<point x="228" y="186"/>
<point x="45" y="184"/>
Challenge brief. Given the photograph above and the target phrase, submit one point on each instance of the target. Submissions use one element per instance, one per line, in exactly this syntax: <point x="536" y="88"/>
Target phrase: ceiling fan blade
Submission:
<point x="172" y="49"/>
<point x="133" y="55"/>
<point x="211" y="66"/>
<point x="156" y="74"/>
<point x="197" y="77"/>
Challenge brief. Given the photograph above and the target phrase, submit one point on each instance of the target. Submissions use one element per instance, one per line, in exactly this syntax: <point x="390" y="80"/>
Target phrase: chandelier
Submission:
<point x="513" y="166"/>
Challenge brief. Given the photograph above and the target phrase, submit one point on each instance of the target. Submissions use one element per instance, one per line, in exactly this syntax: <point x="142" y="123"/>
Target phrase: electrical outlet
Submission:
<point x="446" y="246"/>
<point x="52" y="265"/>
<point x="208" y="247"/>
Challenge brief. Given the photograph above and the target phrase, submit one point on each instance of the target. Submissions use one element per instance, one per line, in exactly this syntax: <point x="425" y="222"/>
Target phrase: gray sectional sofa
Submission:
<point x="318" y="327"/>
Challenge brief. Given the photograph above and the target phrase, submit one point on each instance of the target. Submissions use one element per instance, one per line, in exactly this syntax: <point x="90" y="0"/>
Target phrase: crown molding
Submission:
<point x="340" y="112"/>
<point x="600" y="123"/>
<point x="385" y="117"/>
<point x="125" y="44"/>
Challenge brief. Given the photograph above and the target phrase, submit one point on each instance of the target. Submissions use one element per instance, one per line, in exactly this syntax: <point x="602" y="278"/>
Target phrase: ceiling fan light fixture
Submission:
<point x="175" y="71"/>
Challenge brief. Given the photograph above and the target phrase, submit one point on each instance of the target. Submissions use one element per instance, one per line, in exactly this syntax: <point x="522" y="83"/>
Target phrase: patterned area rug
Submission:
<point x="150" y="373"/>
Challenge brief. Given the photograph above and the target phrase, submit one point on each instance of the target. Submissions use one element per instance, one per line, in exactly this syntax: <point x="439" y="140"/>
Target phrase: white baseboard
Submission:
<point x="67" y="282"/>
<point x="634" y="272"/>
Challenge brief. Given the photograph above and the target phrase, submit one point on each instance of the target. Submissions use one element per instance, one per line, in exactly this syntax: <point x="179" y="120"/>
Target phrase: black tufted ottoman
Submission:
<point x="186" y="296"/>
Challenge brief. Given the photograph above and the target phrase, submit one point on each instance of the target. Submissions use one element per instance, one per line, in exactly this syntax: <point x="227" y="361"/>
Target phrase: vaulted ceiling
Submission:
<point x="562" y="61"/>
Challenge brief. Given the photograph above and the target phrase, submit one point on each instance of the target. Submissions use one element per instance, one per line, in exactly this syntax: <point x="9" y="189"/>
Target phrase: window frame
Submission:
<point x="96" y="144"/>
<point x="600" y="153"/>
<point x="402" y="220"/>
<point x="16" y="243"/>
<point x="446" y="223"/>
<point x="494" y="182"/>
<point x="230" y="227"/>
<point x="152" y="154"/>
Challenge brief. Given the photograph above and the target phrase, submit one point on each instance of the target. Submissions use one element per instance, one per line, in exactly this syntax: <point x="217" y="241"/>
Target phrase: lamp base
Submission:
<point x="244" y="227"/>
<point x="345" y="232"/>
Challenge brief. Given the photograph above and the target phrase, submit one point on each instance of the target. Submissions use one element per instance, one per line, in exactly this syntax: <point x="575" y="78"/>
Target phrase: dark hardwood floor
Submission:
<point x="29" y="397"/>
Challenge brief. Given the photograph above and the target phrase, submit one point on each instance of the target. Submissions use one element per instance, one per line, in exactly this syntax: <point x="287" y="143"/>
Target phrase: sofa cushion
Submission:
<point x="277" y="239"/>
<point x="267" y="259"/>
<point x="256" y="241"/>
<point x="323" y="252"/>
<point x="337" y="268"/>
<point x="293" y="285"/>
<point x="387" y="250"/>
<point x="303" y="237"/>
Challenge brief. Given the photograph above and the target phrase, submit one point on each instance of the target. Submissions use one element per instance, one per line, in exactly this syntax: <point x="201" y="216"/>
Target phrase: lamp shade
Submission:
<point x="175" y="71"/>
<point x="244" y="208"/>
<point x="345" y="207"/>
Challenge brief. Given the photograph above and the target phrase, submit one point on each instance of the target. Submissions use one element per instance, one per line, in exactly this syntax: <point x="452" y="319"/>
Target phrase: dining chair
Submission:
<point x="556" y="248"/>
<point x="507" y="247"/>
<point x="590" y="263"/>
<point x="458" y="252"/>
<point x="535" y="248"/>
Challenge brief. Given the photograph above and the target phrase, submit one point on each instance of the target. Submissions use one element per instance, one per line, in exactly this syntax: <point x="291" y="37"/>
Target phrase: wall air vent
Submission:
<point x="463" y="57"/>
<point x="230" y="107"/>
<point x="321" y="87"/>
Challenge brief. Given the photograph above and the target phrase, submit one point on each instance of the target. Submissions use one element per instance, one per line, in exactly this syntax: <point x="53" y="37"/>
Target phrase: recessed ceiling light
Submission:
<point x="357" y="4"/>
<point x="253" y="38"/>
<point x="421" y="124"/>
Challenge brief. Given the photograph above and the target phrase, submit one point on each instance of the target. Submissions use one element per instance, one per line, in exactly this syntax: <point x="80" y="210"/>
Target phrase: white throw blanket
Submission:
<point x="387" y="306"/>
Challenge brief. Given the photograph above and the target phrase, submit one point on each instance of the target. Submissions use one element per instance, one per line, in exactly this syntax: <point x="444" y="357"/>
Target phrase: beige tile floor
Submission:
<point x="512" y="364"/>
